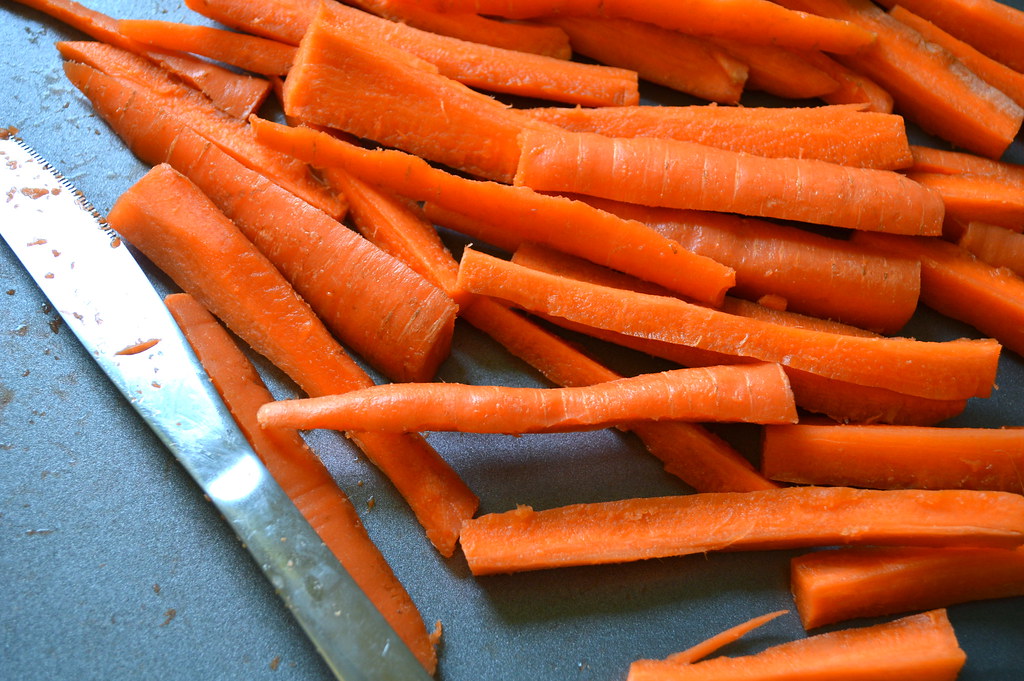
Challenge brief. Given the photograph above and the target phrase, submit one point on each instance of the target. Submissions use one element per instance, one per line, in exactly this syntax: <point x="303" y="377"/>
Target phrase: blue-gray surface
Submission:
<point x="113" y="566"/>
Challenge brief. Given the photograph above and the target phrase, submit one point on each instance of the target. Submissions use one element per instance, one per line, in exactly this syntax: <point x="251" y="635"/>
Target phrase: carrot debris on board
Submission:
<point x="252" y="53"/>
<point x="922" y="647"/>
<point x="842" y="584"/>
<point x="94" y="67"/>
<point x="891" y="457"/>
<point x="990" y="26"/>
<point x="679" y="174"/>
<point x="780" y="71"/>
<point x="978" y="197"/>
<point x="570" y="226"/>
<point x="784" y="518"/>
<point x="750" y="393"/>
<point x="237" y="94"/>
<point x="938" y="370"/>
<point x="188" y="238"/>
<point x="301" y="474"/>
<point x="844" y="134"/>
<point x="731" y="635"/>
<point x="685" y="63"/>
<point x="958" y="285"/>
<point x="756" y="21"/>
<point x="928" y="84"/>
<point x="995" y="245"/>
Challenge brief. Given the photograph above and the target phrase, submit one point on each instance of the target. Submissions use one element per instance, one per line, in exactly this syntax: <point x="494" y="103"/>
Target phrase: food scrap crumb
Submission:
<point x="435" y="635"/>
<point x="141" y="346"/>
<point x="37" y="242"/>
<point x="55" y="324"/>
<point x="275" y="663"/>
<point x="370" y="503"/>
<point x="7" y="133"/>
<point x="11" y="291"/>
<point x="35" y="192"/>
<point x="48" y="275"/>
<point x="55" y="252"/>
<point x="115" y="242"/>
<point x="170" y="615"/>
<point x="156" y="588"/>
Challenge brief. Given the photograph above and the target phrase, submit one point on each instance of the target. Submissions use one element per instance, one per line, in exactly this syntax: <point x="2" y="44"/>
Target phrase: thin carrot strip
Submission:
<point x="570" y="226"/>
<point x="978" y="197"/>
<point x="843" y="134"/>
<point x="854" y="88"/>
<point x="251" y="53"/>
<point x="833" y="586"/>
<point x="931" y="160"/>
<point x="731" y="635"/>
<point x="301" y="474"/>
<point x="237" y="94"/>
<point x="960" y="286"/>
<point x="677" y="174"/>
<point x="946" y="370"/>
<point x="187" y="237"/>
<point x="995" y="245"/>
<point x="753" y="393"/>
<point x="685" y="63"/>
<point x="921" y="647"/>
<point x="785" y="518"/>
<point x="273" y="19"/>
<point x="780" y="71"/>
<point x="891" y="457"/>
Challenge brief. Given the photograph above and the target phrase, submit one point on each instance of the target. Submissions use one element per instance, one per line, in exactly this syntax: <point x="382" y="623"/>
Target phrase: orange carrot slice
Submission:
<point x="995" y="245"/>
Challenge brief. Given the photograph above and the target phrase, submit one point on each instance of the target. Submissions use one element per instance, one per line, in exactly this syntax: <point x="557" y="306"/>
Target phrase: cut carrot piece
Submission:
<point x="677" y="174"/>
<point x="570" y="226"/>
<point x="780" y="71"/>
<point x="301" y="475"/>
<point x="251" y="53"/>
<point x="275" y="19"/>
<point x="786" y="518"/>
<point x="843" y="134"/>
<point x="685" y="63"/>
<point x="184" y="234"/>
<point x="891" y="457"/>
<point x="731" y="635"/>
<point x="978" y="197"/>
<point x="918" y="647"/>
<point x="854" y="88"/>
<point x="236" y="94"/>
<point x="995" y="245"/>
<point x="947" y="370"/>
<point x="833" y="586"/>
<point x="958" y="285"/>
<point x="930" y="160"/>
<point x="754" y="393"/>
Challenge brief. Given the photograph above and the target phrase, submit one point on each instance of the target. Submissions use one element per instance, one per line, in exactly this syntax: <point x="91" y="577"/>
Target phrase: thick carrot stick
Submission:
<point x="570" y="226"/>
<point x="685" y="63"/>
<point x="946" y="370"/>
<point x="931" y="160"/>
<point x="785" y="518"/>
<point x="921" y="647"/>
<point x="958" y="285"/>
<point x="677" y="174"/>
<point x="780" y="71"/>
<point x="177" y="227"/>
<point x="891" y="457"/>
<point x="978" y="197"/>
<point x="995" y="245"/>
<point x="711" y="645"/>
<point x="833" y="586"/>
<point x="236" y="94"/>
<point x="753" y="393"/>
<point x="301" y="474"/>
<point x="843" y="134"/>
<point x="251" y="53"/>
<point x="854" y="88"/>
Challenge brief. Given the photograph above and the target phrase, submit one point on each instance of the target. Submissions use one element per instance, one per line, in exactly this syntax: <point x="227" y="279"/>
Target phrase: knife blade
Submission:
<point x="107" y="301"/>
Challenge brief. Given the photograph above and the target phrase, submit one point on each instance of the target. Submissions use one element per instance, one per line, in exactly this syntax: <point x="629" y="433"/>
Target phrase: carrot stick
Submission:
<point x="946" y="370"/>
<point x="731" y="635"/>
<point x="785" y="518"/>
<point x="177" y="227"/>
<point x="780" y="71"/>
<point x="301" y="474"/>
<point x="570" y="226"/>
<point x="854" y="88"/>
<point x="891" y="457"/>
<point x="833" y="586"/>
<point x="843" y="134"/>
<point x="930" y="160"/>
<point x="960" y="286"/>
<point x="273" y="19"/>
<point x="929" y="85"/>
<point x="251" y="53"/>
<point x="175" y="102"/>
<point x="236" y="94"/>
<point x="677" y="174"/>
<point x="995" y="245"/>
<point x="754" y="393"/>
<point x="921" y="647"/>
<point x="978" y="197"/>
<point x="685" y="63"/>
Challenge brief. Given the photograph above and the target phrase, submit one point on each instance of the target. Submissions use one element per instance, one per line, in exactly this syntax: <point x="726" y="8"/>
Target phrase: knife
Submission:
<point x="103" y="296"/>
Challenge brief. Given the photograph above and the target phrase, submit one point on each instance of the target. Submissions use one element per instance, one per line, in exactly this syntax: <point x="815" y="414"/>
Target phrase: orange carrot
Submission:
<point x="920" y="647"/>
<point x="786" y="518"/>
<point x="677" y="174"/>
<point x="570" y="226"/>
<point x="711" y="645"/>
<point x="891" y="457"/>
<point x="929" y="160"/>
<point x="833" y="586"/>
<point x="685" y="63"/>
<point x="277" y="20"/>
<point x="780" y="71"/>
<point x="754" y="393"/>
<point x="854" y="88"/>
<point x="978" y="197"/>
<point x="177" y="227"/>
<point x="995" y="245"/>
<point x="945" y="370"/>
<point x="301" y="474"/>
<point x="960" y="286"/>
<point x="236" y="94"/>
<point x="251" y="53"/>
<point x="843" y="134"/>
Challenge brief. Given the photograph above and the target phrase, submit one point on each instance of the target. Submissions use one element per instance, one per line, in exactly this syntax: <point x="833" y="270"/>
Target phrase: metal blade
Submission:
<point x="105" y="298"/>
